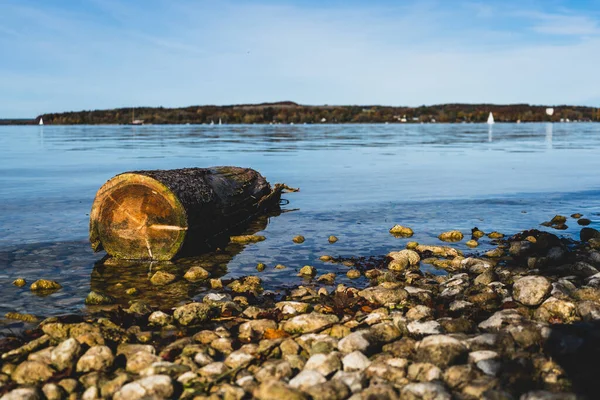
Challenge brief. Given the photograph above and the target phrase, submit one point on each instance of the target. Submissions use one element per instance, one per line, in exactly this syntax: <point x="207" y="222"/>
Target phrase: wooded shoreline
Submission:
<point x="289" y="112"/>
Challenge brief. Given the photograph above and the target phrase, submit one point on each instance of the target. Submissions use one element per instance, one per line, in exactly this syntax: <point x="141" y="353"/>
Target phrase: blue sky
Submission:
<point x="92" y="54"/>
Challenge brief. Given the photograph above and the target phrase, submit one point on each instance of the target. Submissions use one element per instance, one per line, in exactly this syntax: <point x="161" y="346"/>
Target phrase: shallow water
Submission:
<point x="356" y="182"/>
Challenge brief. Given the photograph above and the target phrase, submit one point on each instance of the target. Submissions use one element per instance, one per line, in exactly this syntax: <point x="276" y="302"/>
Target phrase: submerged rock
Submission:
<point x="45" y="284"/>
<point x="95" y="298"/>
<point x="401" y="231"/>
<point x="196" y="274"/>
<point x="451" y="236"/>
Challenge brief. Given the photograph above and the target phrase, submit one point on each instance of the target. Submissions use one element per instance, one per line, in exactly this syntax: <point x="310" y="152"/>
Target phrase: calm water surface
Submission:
<point x="356" y="182"/>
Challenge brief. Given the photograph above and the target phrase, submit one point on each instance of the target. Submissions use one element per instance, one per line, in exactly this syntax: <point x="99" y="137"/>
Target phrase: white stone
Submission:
<point x="355" y="361"/>
<point x="424" y="328"/>
<point x="307" y="378"/>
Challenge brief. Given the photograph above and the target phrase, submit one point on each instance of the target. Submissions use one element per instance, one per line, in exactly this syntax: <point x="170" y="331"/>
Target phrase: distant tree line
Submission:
<point x="290" y="112"/>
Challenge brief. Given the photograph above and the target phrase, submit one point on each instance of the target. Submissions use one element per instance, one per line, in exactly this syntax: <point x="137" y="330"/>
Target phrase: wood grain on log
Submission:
<point x="152" y="214"/>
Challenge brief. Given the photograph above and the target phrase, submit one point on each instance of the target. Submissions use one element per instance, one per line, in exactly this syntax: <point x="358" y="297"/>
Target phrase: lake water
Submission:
<point x="356" y="182"/>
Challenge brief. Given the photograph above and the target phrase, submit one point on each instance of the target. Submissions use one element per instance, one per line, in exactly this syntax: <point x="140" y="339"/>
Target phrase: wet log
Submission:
<point x="152" y="215"/>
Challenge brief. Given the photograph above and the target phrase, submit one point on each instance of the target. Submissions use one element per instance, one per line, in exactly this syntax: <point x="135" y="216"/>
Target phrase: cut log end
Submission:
<point x="137" y="217"/>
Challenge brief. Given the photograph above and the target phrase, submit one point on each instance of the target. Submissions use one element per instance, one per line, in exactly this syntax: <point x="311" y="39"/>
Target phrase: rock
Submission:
<point x="472" y="243"/>
<point x="309" y="322"/>
<point x="328" y="279"/>
<point x="544" y="395"/>
<point x="95" y="298"/>
<point x="589" y="310"/>
<point x="555" y="310"/>
<point x="460" y="305"/>
<point x="411" y="256"/>
<point x="53" y="392"/>
<point x="277" y="390"/>
<point x="140" y="360"/>
<point x="419" y="312"/>
<point x="191" y="314"/>
<point x="457" y="376"/>
<point x="26" y="393"/>
<point x="159" y="318"/>
<point x="165" y="368"/>
<point x="332" y="390"/>
<point x="307" y="270"/>
<point x="399" y="265"/>
<point x="196" y="274"/>
<point x="424" y="391"/>
<point x="588" y="233"/>
<point x="384" y="294"/>
<point x="440" y="251"/>
<point x="31" y="372"/>
<point x="108" y="389"/>
<point x="419" y="328"/>
<point x="531" y="290"/>
<point x="21" y="352"/>
<point x="155" y="387"/>
<point x="325" y="364"/>
<point x="355" y="361"/>
<point x="485" y="278"/>
<point x="65" y="354"/>
<point x="306" y="379"/>
<point x="401" y="231"/>
<point x="248" y="284"/>
<point x="45" y="284"/>
<point x="246" y="239"/>
<point x="358" y="340"/>
<point x="584" y="221"/>
<point x="441" y="350"/>
<point x="298" y="239"/>
<point x="495" y="235"/>
<point x="355" y="381"/>
<point x="274" y="369"/>
<point x="501" y="319"/>
<point x="161" y="278"/>
<point x="91" y="393"/>
<point x="451" y="236"/>
<point x="239" y="358"/>
<point x="254" y="330"/>
<point x="384" y="332"/>
<point x="70" y="385"/>
<point x="213" y="369"/>
<point x="424" y="372"/>
<point x="97" y="358"/>
<point x="353" y="274"/>
<point x="332" y="239"/>
<point x="19" y="282"/>
<point x="520" y="248"/>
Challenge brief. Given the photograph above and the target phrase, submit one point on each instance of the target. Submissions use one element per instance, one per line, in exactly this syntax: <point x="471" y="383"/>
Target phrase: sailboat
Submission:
<point x="41" y="121"/>
<point x="490" y="120"/>
<point x="220" y="121"/>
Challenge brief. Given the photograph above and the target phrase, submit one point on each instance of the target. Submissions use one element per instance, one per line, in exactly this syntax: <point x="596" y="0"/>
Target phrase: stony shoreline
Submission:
<point x="519" y="321"/>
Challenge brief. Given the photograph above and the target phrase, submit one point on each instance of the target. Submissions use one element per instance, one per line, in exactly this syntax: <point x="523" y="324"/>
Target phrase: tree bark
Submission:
<point x="151" y="215"/>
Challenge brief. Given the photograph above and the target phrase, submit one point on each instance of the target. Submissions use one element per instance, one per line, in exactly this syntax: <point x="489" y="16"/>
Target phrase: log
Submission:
<point x="152" y="215"/>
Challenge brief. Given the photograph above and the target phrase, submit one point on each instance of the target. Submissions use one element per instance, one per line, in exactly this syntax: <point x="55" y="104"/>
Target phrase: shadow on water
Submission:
<point x="114" y="277"/>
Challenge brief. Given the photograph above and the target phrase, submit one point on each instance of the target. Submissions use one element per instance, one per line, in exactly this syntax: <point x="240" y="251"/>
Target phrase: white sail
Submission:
<point x="220" y="121"/>
<point x="550" y="111"/>
<point x="41" y="121"/>
<point x="490" y="118"/>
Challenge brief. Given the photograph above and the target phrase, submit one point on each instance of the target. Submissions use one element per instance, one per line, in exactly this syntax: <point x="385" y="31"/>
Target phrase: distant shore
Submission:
<point x="293" y="113"/>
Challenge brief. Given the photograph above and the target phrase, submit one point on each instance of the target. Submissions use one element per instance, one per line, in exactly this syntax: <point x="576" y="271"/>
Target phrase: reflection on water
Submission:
<point x="356" y="182"/>
<point x="549" y="135"/>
